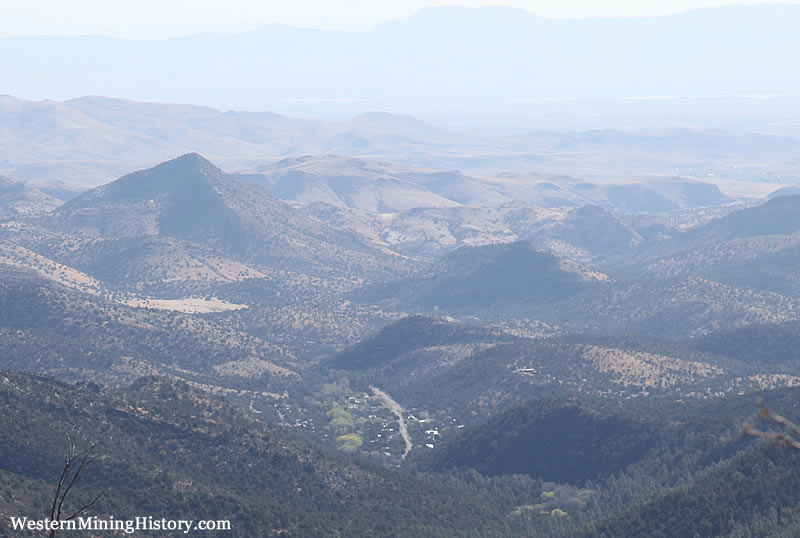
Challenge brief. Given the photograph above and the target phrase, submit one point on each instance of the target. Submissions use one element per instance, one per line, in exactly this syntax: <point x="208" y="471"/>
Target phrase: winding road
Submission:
<point x="398" y="410"/>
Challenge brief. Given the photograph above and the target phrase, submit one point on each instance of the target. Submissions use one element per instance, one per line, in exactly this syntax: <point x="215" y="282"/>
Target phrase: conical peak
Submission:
<point x="189" y="162"/>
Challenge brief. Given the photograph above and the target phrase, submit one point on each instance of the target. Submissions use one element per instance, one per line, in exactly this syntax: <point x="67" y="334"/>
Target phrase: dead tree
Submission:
<point x="789" y="435"/>
<point x="74" y="467"/>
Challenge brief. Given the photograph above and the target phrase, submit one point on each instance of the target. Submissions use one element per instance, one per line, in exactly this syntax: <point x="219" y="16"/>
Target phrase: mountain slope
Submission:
<point x="659" y="469"/>
<point x="735" y="497"/>
<point x="371" y="185"/>
<point x="190" y="199"/>
<point x="766" y="345"/>
<point x="18" y="199"/>
<point x="439" y="365"/>
<point x="778" y="216"/>
<point x="559" y="441"/>
<point x="756" y="247"/>
<point x="588" y="233"/>
<point x="675" y="307"/>
<point x="766" y="262"/>
<point x="166" y="450"/>
<point x="409" y="335"/>
<point x="514" y="273"/>
<point x="60" y="332"/>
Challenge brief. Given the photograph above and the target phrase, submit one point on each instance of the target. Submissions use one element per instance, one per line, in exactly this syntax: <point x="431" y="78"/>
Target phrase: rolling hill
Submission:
<point x="441" y="366"/>
<point x="493" y="275"/>
<point x="18" y="199"/>
<point x="371" y="185"/>
<point x="753" y="248"/>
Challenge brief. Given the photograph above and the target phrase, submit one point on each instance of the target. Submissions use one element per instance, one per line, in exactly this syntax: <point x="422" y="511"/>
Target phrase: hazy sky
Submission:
<point x="162" y="18"/>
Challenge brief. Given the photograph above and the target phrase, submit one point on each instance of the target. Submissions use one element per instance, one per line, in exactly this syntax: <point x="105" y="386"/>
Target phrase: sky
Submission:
<point x="149" y="19"/>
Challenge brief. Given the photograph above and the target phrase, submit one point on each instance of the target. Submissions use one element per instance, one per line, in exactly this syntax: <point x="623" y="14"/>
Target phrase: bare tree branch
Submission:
<point x="70" y="475"/>
<point x="790" y="436"/>
<point x="85" y="457"/>
<point x="86" y="507"/>
<point x="64" y="473"/>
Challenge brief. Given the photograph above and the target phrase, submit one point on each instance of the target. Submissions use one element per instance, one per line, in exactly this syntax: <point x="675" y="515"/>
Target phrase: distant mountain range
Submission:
<point x="384" y="187"/>
<point x="371" y="185"/>
<point x="176" y="235"/>
<point x="379" y="158"/>
<point x="86" y="140"/>
<point x="445" y="55"/>
<point x="584" y="233"/>
<point x="185" y="227"/>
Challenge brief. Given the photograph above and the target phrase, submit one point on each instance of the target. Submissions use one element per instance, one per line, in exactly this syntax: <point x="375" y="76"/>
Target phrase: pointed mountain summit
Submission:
<point x="190" y="199"/>
<point x="174" y="177"/>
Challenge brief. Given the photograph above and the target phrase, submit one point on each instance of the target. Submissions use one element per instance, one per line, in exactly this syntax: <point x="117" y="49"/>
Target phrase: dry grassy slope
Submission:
<point x="647" y="370"/>
<point x="133" y="264"/>
<point x="586" y="233"/>
<point x="372" y="185"/>
<point x="18" y="258"/>
<point x="381" y="186"/>
<point x="18" y="199"/>
<point x="52" y="329"/>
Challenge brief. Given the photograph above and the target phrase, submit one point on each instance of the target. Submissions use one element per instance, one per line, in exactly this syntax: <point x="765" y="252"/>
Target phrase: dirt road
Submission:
<point x="398" y="410"/>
